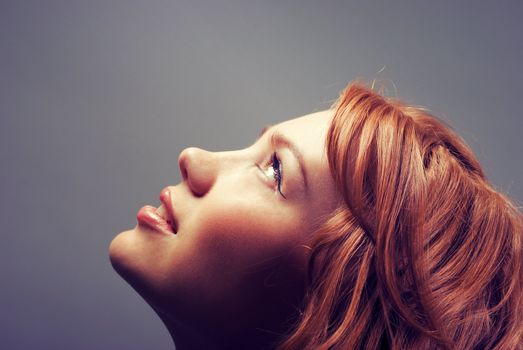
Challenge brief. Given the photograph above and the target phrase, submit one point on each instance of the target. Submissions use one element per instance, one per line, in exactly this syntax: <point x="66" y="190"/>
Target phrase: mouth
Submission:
<point x="166" y="210"/>
<point x="149" y="217"/>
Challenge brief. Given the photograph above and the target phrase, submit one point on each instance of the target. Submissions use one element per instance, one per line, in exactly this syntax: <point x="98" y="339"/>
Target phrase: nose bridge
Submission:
<point x="200" y="168"/>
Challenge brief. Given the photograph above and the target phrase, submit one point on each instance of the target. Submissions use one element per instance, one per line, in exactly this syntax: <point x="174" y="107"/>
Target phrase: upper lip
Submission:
<point x="166" y="199"/>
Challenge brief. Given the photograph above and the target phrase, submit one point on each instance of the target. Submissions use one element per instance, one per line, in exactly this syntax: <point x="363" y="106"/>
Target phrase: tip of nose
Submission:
<point x="198" y="169"/>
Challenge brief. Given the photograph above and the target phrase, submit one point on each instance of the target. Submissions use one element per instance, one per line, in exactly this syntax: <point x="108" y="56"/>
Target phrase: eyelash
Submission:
<point x="277" y="168"/>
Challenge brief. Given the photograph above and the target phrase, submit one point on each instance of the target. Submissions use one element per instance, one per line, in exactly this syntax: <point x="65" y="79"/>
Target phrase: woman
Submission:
<point x="367" y="226"/>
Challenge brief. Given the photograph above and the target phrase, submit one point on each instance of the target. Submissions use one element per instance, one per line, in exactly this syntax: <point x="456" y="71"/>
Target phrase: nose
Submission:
<point x="199" y="169"/>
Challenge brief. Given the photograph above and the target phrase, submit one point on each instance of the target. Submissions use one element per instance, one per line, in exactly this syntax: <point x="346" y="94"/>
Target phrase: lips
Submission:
<point x="168" y="210"/>
<point x="148" y="216"/>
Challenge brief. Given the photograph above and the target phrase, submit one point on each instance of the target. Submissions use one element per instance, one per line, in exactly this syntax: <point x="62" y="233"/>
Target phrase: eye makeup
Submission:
<point x="273" y="169"/>
<point x="279" y="140"/>
<point x="276" y="168"/>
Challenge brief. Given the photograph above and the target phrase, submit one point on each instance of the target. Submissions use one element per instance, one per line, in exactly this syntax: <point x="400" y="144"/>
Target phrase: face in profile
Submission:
<point x="225" y="254"/>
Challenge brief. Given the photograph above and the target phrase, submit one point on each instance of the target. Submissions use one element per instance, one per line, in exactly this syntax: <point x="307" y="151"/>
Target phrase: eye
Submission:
<point x="276" y="170"/>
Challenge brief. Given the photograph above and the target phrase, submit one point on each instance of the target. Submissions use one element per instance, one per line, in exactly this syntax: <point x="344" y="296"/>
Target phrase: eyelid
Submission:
<point x="276" y="140"/>
<point x="279" y="181"/>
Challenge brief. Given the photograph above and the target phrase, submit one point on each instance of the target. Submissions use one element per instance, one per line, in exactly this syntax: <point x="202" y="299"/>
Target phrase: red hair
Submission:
<point x="423" y="253"/>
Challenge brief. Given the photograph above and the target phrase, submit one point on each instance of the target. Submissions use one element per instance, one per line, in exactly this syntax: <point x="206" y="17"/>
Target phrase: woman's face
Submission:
<point x="243" y="221"/>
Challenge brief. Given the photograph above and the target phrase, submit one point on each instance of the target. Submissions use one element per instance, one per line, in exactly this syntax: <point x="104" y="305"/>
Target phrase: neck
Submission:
<point x="189" y="338"/>
<point x="186" y="338"/>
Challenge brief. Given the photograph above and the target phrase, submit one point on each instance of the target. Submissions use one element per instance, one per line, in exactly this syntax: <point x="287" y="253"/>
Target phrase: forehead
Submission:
<point x="308" y="133"/>
<point x="312" y="126"/>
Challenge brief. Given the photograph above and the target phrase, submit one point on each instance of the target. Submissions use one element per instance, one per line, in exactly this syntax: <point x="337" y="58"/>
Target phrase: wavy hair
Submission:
<point x="423" y="253"/>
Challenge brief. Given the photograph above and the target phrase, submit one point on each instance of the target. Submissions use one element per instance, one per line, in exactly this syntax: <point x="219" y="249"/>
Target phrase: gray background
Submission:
<point x="97" y="99"/>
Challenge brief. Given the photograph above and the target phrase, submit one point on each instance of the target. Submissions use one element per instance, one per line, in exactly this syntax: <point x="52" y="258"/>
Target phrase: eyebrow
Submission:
<point x="279" y="139"/>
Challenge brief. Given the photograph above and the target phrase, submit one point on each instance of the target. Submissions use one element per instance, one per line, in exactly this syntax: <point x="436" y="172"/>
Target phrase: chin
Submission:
<point x="129" y="261"/>
<point x="119" y="254"/>
<point x="127" y="258"/>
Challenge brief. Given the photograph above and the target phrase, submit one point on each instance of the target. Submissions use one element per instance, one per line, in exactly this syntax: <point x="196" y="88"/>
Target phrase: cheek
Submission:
<point x="237" y="234"/>
<point x="231" y="247"/>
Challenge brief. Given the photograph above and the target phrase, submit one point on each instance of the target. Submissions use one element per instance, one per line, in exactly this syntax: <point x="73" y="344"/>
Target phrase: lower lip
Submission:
<point x="148" y="217"/>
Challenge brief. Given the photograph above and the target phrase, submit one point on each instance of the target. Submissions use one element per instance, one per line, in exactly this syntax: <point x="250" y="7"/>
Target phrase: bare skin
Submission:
<point x="234" y="273"/>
